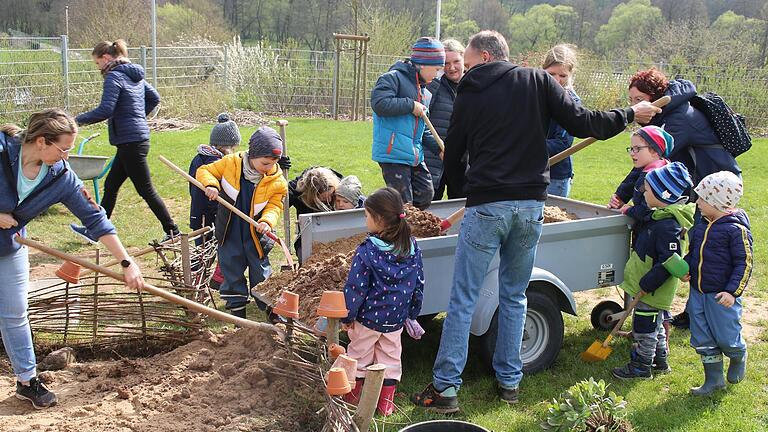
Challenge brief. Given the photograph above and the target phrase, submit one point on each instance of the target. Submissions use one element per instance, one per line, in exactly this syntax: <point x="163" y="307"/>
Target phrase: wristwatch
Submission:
<point x="125" y="263"/>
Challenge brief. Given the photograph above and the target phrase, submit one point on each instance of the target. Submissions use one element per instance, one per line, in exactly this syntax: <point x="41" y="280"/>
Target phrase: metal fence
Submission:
<point x="203" y="80"/>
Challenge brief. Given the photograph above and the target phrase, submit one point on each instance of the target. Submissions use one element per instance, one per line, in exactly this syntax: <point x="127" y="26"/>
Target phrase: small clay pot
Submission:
<point x="337" y="383"/>
<point x="287" y="305"/>
<point x="69" y="272"/>
<point x="335" y="350"/>
<point x="349" y="365"/>
<point x="332" y="305"/>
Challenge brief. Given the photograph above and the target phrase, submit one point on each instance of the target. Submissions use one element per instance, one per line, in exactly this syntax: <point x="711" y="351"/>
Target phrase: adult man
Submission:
<point x="500" y="117"/>
<point x="440" y="109"/>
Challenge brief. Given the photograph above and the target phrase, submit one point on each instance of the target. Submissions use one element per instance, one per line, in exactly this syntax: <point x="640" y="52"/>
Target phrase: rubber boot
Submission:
<point x="737" y="368"/>
<point x="713" y="376"/>
<point x="386" y="405"/>
<point x="353" y="397"/>
<point x="661" y="363"/>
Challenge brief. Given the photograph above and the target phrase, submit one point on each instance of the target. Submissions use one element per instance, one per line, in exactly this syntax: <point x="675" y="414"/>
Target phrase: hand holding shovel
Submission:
<point x="600" y="351"/>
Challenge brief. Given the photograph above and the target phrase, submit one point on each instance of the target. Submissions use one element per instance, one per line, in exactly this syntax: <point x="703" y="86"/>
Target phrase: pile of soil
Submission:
<point x="249" y="118"/>
<point x="423" y="223"/>
<point x="557" y="214"/>
<point x="219" y="383"/>
<point x="170" y="124"/>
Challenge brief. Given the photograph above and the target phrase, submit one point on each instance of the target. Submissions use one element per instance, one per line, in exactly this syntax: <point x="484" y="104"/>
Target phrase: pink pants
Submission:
<point x="370" y="347"/>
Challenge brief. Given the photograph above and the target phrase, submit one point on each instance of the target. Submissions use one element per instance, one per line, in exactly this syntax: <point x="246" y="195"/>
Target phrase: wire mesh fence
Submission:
<point x="200" y="81"/>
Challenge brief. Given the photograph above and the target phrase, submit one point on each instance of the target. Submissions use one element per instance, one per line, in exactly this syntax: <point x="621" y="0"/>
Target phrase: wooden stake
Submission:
<point x="332" y="331"/>
<point x="369" y="398"/>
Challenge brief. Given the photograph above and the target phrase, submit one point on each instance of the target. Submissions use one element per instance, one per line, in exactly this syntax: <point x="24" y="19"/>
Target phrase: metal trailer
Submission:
<point x="572" y="256"/>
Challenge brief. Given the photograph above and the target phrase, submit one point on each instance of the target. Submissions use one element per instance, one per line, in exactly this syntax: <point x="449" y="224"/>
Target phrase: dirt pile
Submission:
<point x="221" y="383"/>
<point x="557" y="214"/>
<point x="423" y="223"/>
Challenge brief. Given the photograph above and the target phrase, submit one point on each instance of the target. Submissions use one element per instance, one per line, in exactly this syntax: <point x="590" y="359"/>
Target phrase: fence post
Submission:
<point x="226" y="68"/>
<point x="336" y="55"/>
<point x="143" y="57"/>
<point x="65" y="69"/>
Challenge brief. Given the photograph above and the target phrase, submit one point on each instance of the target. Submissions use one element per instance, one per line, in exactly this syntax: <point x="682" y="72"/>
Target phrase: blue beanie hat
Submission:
<point x="428" y="51"/>
<point x="669" y="182"/>
<point x="224" y="133"/>
<point x="265" y="142"/>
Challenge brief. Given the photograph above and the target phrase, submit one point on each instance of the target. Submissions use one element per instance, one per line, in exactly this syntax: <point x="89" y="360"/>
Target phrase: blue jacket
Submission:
<point x="693" y="133"/>
<point x="558" y="140"/>
<point x="202" y="211"/>
<point x="720" y="254"/>
<point x="60" y="185"/>
<point x="397" y="133"/>
<point x="443" y="93"/>
<point x="382" y="291"/>
<point x="125" y="102"/>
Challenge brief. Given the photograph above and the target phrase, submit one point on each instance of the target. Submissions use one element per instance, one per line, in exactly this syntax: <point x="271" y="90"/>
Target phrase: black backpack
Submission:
<point x="729" y="125"/>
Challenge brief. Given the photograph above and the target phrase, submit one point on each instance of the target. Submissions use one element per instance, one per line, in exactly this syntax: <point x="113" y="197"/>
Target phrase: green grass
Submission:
<point x="661" y="404"/>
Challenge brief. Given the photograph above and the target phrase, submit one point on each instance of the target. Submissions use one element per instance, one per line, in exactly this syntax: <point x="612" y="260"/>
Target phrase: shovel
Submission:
<point x="452" y="220"/>
<point x="437" y="138"/>
<point x="600" y="351"/>
<point x="661" y="102"/>
<point x="234" y="210"/>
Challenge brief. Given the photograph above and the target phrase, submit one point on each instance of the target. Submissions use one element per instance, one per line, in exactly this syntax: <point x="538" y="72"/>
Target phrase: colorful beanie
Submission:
<point x="265" y="142"/>
<point x="658" y="139"/>
<point x="722" y="190"/>
<point x="669" y="182"/>
<point x="428" y="51"/>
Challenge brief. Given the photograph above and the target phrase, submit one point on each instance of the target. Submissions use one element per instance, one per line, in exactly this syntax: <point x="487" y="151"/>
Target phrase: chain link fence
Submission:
<point x="199" y="81"/>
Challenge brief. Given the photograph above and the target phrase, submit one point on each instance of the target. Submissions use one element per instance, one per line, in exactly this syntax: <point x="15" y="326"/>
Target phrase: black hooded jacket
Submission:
<point x="501" y="117"/>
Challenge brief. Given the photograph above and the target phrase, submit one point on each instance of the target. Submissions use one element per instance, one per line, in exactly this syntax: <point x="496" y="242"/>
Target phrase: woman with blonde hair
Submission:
<point x="35" y="176"/>
<point x="312" y="191"/>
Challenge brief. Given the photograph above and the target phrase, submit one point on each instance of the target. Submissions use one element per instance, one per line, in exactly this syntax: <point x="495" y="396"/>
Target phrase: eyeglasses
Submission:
<point x="635" y="149"/>
<point x="63" y="152"/>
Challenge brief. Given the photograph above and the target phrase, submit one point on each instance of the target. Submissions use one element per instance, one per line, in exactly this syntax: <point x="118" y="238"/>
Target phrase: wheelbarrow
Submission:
<point x="89" y="167"/>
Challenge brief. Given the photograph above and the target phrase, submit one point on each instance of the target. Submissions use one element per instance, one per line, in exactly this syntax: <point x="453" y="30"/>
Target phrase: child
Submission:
<point x="383" y="292"/>
<point x="399" y="101"/>
<point x="254" y="183"/>
<point x="349" y="194"/>
<point x="560" y="63"/>
<point x="645" y="275"/>
<point x="311" y="192"/>
<point x="720" y="262"/>
<point x="225" y="136"/>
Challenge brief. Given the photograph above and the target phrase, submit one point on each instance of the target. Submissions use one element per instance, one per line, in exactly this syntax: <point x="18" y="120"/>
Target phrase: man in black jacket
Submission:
<point x="501" y="115"/>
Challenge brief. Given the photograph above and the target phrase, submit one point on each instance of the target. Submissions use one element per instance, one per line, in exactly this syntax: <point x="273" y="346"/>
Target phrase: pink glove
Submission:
<point x="414" y="329"/>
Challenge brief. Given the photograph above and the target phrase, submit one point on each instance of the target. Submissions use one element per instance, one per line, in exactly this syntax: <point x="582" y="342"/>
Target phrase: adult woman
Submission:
<point x="560" y="63"/>
<point x="440" y="109"/>
<point x="33" y="162"/>
<point x="311" y="192"/>
<point x="125" y="103"/>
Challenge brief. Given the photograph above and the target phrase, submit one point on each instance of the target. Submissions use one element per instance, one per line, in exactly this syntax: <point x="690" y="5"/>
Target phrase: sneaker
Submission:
<point x="510" y="396"/>
<point x="172" y="234"/>
<point x="37" y="393"/>
<point x="444" y="402"/>
<point x="661" y="367"/>
<point x="681" y="320"/>
<point x="83" y="233"/>
<point x="632" y="370"/>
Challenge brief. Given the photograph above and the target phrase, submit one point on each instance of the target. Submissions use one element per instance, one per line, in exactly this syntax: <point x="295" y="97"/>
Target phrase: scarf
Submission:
<point x="251" y="174"/>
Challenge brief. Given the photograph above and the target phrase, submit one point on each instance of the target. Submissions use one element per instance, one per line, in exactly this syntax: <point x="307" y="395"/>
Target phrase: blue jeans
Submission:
<point x="560" y="187"/>
<point x="513" y="229"/>
<point x="14" y="324"/>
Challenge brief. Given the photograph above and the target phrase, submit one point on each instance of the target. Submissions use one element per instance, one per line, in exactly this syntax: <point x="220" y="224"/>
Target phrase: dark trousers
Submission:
<point x="131" y="162"/>
<point x="413" y="182"/>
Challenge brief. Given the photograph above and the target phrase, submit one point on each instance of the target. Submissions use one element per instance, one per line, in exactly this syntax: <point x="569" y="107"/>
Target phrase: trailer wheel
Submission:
<point x="542" y="335"/>
<point x="602" y="311"/>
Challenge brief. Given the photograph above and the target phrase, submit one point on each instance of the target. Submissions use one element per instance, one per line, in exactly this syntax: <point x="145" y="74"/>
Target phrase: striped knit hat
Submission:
<point x="722" y="190"/>
<point x="669" y="182"/>
<point x="428" y="51"/>
<point x="658" y="139"/>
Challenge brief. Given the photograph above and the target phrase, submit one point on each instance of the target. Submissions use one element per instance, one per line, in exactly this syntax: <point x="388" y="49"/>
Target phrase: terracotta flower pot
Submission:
<point x="349" y="365"/>
<point x="332" y="305"/>
<point x="337" y="383"/>
<point x="287" y="305"/>
<point x="335" y="350"/>
<point x="69" y="272"/>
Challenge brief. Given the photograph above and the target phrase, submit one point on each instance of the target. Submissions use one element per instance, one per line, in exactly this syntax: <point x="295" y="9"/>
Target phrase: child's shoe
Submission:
<point x="386" y="405"/>
<point x="217" y="279"/>
<point x="633" y="369"/>
<point x="737" y="368"/>
<point x="661" y="363"/>
<point x="713" y="376"/>
<point x="444" y="402"/>
<point x="353" y="397"/>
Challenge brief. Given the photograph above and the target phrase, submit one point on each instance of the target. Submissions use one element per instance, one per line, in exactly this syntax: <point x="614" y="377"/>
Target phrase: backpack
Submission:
<point x="729" y="125"/>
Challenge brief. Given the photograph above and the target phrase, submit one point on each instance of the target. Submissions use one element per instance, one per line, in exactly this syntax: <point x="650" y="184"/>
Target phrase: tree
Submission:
<point x="542" y="26"/>
<point x="630" y="24"/>
<point x="97" y="20"/>
<point x="182" y="21"/>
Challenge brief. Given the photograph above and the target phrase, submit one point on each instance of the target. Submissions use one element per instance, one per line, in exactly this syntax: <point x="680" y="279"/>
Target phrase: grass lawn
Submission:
<point x="661" y="404"/>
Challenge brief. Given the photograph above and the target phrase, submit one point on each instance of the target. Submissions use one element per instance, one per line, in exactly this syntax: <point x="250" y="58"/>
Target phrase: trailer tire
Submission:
<point x="601" y="312"/>
<point x="542" y="337"/>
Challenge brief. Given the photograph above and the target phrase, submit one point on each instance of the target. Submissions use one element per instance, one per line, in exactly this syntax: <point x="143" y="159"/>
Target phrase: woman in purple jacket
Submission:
<point x="35" y="176"/>
<point x="125" y="103"/>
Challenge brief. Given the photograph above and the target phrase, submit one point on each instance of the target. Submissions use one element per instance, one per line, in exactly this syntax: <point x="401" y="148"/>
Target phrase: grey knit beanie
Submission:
<point x="225" y="133"/>
<point x="265" y="142"/>
<point x="350" y="189"/>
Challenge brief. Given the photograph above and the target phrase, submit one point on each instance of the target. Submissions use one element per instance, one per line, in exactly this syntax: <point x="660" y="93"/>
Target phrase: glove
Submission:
<point x="414" y="329"/>
<point x="284" y="162"/>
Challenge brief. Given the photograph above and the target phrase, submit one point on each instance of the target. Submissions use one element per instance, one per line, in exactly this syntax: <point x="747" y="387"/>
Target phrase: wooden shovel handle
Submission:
<point x="661" y="102"/>
<point x="452" y="219"/>
<point x="434" y="133"/>
<point x="616" y="328"/>
<point x="173" y="298"/>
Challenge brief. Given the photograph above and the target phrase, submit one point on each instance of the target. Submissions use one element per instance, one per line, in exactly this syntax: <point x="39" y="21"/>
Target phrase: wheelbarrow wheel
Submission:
<point x="601" y="313"/>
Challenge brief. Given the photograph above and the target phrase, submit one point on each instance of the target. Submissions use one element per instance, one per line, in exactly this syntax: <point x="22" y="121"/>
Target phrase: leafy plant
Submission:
<point x="587" y="406"/>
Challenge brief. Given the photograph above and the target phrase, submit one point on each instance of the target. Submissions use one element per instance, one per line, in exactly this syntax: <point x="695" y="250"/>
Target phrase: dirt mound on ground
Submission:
<point x="221" y="383"/>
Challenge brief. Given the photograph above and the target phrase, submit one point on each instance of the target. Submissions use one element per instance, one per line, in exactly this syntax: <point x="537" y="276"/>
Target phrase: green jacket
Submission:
<point x="659" y="239"/>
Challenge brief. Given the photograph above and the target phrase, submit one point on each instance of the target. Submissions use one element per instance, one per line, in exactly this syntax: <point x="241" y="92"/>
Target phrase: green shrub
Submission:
<point x="586" y="406"/>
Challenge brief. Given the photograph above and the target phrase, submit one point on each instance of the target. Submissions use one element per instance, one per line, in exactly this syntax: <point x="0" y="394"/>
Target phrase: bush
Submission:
<point x="585" y="406"/>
